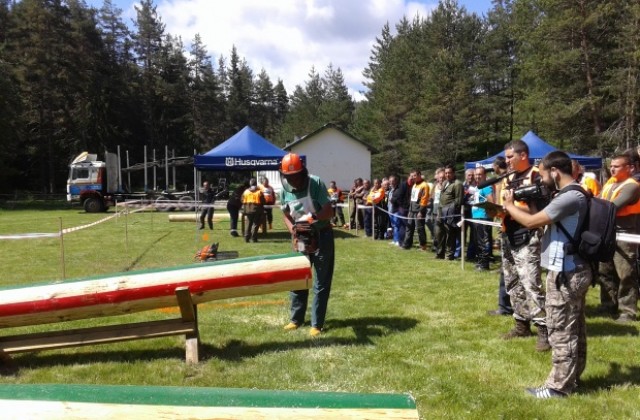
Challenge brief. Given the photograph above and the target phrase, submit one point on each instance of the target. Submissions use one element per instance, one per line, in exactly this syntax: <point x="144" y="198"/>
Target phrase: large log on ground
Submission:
<point x="136" y="291"/>
<point x="190" y="217"/>
<point x="70" y="402"/>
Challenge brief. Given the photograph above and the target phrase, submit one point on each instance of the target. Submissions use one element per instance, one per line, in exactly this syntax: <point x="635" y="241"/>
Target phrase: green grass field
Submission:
<point x="398" y="322"/>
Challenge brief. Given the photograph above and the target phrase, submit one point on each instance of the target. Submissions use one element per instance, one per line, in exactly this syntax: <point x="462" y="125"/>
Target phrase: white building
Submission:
<point x="334" y="155"/>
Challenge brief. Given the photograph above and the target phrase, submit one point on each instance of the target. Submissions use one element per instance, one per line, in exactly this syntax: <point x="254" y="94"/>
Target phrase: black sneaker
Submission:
<point x="544" y="393"/>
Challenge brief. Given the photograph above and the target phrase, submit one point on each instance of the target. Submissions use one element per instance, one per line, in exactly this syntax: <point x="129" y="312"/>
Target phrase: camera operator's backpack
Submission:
<point x="595" y="240"/>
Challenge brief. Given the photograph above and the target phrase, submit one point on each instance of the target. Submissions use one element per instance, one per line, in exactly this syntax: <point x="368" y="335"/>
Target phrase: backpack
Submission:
<point x="595" y="240"/>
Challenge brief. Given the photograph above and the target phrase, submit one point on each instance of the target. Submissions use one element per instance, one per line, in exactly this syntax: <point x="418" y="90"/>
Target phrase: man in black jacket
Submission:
<point x="451" y="199"/>
<point x="208" y="197"/>
<point x="399" y="206"/>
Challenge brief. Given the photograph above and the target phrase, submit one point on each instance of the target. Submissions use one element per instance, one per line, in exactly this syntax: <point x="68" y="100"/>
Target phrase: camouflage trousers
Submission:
<point x="522" y="279"/>
<point x="565" y="305"/>
<point x="619" y="281"/>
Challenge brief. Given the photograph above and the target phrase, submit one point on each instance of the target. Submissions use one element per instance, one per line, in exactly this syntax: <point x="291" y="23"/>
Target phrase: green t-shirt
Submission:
<point x="308" y="200"/>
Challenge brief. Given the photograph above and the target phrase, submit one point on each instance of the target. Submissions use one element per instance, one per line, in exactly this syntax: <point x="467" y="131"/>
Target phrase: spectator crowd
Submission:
<point x="486" y="204"/>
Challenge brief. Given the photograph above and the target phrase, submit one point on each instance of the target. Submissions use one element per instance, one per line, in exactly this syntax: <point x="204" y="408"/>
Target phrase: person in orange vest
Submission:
<point x="337" y="198"/>
<point x="269" y="199"/>
<point x="589" y="184"/>
<point x="376" y="197"/>
<point x="253" y="207"/>
<point x="416" y="218"/>
<point x="619" y="278"/>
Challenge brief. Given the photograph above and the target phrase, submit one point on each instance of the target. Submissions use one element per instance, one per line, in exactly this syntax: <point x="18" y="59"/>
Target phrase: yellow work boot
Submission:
<point x="291" y="326"/>
<point x="314" y="331"/>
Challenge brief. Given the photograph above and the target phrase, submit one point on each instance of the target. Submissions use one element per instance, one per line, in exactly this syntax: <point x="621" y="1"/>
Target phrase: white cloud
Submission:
<point x="288" y="37"/>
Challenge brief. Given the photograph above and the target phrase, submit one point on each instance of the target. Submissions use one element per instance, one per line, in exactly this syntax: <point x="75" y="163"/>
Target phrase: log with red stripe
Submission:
<point x="124" y="293"/>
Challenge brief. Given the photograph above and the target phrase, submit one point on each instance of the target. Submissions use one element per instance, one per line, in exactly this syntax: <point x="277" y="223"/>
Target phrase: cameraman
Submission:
<point x="304" y="197"/>
<point x="568" y="276"/>
<point x="521" y="252"/>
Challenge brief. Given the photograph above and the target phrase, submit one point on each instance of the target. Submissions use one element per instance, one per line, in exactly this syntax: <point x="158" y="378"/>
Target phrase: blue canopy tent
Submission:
<point x="538" y="148"/>
<point x="244" y="151"/>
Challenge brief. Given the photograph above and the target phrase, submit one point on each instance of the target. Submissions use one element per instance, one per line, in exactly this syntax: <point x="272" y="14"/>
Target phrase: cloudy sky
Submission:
<point x="289" y="37"/>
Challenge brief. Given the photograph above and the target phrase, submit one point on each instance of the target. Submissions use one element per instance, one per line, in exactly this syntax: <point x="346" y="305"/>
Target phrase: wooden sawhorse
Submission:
<point x="186" y="325"/>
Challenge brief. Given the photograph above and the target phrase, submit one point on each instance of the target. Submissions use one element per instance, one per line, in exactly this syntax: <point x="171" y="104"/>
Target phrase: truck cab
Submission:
<point x="88" y="182"/>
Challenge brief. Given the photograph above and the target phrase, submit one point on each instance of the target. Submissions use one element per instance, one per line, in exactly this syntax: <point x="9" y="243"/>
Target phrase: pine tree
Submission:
<point x="207" y="101"/>
<point x="337" y="106"/>
<point x="240" y="96"/>
<point x="445" y="117"/>
<point x="148" y="46"/>
<point x="263" y="115"/>
<point x="497" y="80"/>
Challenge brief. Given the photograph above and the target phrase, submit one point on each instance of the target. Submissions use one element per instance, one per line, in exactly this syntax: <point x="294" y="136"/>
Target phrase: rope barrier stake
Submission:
<point x="462" y="238"/>
<point x="64" y="274"/>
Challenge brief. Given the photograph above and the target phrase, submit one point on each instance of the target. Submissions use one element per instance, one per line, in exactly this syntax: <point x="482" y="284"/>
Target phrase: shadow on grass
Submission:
<point x="39" y="360"/>
<point x="135" y="262"/>
<point x="364" y="330"/>
<point x="604" y="327"/>
<point x="616" y="376"/>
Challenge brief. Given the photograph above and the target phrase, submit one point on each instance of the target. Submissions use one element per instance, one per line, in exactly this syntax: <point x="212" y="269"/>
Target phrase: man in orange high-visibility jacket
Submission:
<point x="416" y="218"/>
<point x="619" y="278"/>
<point x="377" y="198"/>
<point x="269" y="199"/>
<point x="589" y="184"/>
<point x="337" y="199"/>
<point x="253" y="208"/>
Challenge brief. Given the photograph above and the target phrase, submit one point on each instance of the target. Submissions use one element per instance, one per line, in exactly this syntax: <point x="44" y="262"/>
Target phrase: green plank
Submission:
<point x="154" y="270"/>
<point x="205" y="397"/>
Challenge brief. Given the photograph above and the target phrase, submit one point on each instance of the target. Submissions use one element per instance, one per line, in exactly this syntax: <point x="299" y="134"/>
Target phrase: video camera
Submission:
<point x="537" y="191"/>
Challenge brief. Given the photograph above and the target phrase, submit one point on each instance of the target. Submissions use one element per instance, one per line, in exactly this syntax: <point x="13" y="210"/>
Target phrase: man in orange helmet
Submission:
<point x="307" y="213"/>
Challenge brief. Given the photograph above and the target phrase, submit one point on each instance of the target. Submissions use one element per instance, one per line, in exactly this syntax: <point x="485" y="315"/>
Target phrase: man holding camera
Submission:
<point x="521" y="251"/>
<point x="568" y="276"/>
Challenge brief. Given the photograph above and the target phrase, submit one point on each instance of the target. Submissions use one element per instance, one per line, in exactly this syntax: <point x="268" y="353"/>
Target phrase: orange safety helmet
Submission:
<point x="291" y="164"/>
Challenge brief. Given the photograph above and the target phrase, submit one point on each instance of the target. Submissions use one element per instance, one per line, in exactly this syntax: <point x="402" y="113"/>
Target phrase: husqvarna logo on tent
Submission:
<point x="231" y="161"/>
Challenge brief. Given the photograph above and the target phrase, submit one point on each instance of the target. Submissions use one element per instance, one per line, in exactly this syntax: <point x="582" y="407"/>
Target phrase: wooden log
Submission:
<point x="124" y="293"/>
<point x="191" y="217"/>
<point x="68" y="402"/>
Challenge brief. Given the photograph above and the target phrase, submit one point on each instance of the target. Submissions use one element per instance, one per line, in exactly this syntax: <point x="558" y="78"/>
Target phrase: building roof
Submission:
<point x="289" y="146"/>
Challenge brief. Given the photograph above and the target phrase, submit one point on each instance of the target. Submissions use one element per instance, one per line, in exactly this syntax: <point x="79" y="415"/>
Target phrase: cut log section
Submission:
<point x="125" y="293"/>
<point x="70" y="402"/>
